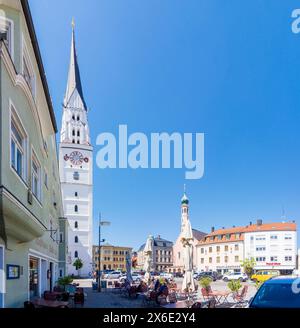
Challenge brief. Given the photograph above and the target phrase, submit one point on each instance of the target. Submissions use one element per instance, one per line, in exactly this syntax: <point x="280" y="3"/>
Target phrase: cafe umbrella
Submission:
<point x="187" y="238"/>
<point x="148" y="254"/>
<point x="128" y="268"/>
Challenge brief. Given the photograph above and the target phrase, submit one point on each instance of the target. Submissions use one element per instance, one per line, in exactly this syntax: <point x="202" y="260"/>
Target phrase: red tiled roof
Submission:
<point x="277" y="226"/>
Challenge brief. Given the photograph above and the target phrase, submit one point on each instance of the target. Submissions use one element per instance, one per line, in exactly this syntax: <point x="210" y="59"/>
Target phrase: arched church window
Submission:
<point x="73" y="141"/>
<point x="73" y="117"/>
<point x="73" y="132"/>
<point x="76" y="225"/>
<point x="78" y="141"/>
<point x="76" y="239"/>
<point x="78" y="133"/>
<point x="76" y="208"/>
<point x="75" y="254"/>
<point x="78" y="118"/>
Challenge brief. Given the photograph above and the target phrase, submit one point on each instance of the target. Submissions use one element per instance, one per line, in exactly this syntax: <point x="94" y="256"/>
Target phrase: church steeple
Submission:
<point x="74" y="127"/>
<point x="184" y="209"/>
<point x="74" y="81"/>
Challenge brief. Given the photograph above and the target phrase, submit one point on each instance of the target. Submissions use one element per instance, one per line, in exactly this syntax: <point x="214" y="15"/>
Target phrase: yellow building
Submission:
<point x="112" y="257"/>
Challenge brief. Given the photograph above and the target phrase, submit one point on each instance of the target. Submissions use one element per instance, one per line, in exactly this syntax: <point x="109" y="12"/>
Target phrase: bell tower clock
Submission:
<point x="76" y="170"/>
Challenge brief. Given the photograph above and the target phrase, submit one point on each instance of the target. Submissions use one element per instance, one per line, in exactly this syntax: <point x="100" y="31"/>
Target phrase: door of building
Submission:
<point x="33" y="277"/>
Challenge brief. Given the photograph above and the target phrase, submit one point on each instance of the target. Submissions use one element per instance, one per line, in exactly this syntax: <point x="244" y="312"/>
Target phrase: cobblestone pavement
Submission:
<point x="113" y="299"/>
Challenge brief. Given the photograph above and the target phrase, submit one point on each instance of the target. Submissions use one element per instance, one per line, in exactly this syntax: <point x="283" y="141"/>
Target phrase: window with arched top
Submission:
<point x="73" y="117"/>
<point x="76" y="208"/>
<point x="76" y="193"/>
<point x="73" y="132"/>
<point x="78" y="118"/>
<point x="76" y="224"/>
<point x="75" y="254"/>
<point x="78" y="133"/>
<point x="76" y="239"/>
<point x="73" y="141"/>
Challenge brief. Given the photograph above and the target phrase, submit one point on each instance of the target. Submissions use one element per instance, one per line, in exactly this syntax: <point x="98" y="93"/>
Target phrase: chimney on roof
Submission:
<point x="212" y="229"/>
<point x="250" y="223"/>
<point x="259" y="222"/>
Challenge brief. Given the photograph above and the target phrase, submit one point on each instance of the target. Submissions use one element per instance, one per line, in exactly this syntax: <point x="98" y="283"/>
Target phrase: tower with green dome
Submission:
<point x="184" y="209"/>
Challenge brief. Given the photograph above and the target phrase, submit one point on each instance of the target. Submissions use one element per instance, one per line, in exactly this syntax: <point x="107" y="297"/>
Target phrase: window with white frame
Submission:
<point x="35" y="177"/>
<point x="6" y="33"/>
<point x="288" y="258"/>
<point x="273" y="258"/>
<point x="27" y="70"/>
<point x="17" y="146"/>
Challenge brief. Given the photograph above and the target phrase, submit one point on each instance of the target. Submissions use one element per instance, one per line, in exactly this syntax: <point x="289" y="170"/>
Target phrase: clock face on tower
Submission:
<point x="76" y="158"/>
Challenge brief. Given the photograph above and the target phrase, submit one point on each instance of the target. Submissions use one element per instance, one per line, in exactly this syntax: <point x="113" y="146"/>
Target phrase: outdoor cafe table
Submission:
<point x="47" y="303"/>
<point x="219" y="295"/>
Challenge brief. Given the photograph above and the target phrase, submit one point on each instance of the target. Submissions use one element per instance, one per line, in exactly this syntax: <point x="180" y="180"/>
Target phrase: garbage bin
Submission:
<point x="95" y="286"/>
<point x="104" y="284"/>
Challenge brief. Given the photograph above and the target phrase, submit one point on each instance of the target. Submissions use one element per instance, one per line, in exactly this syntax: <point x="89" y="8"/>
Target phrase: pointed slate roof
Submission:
<point x="74" y="81"/>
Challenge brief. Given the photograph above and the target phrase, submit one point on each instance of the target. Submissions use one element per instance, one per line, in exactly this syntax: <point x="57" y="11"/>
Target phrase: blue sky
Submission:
<point x="229" y="69"/>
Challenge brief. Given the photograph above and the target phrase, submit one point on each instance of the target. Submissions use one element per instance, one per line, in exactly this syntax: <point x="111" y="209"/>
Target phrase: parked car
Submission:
<point x="235" y="276"/>
<point x="211" y="274"/>
<point x="135" y="277"/>
<point x="154" y="274"/>
<point x="264" y="275"/>
<point x="196" y="274"/>
<point x="166" y="275"/>
<point x="113" y="275"/>
<point x="277" y="292"/>
<point x="178" y="274"/>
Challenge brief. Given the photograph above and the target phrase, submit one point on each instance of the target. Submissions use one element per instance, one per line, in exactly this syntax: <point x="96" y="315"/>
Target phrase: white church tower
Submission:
<point x="76" y="170"/>
<point x="184" y="210"/>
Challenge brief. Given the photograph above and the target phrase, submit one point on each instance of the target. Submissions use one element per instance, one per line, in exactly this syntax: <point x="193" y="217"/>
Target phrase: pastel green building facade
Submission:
<point x="31" y="209"/>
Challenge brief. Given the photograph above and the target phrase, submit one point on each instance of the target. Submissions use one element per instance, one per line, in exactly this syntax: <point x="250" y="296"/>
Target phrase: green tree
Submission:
<point x="78" y="264"/>
<point x="248" y="265"/>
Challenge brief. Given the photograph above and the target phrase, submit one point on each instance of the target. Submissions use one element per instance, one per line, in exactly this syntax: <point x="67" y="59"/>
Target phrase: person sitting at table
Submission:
<point x="157" y="285"/>
<point x="142" y="287"/>
<point x="162" y="291"/>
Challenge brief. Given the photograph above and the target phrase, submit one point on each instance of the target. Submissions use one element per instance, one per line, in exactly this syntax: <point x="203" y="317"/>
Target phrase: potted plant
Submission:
<point x="205" y="283"/>
<point x="64" y="281"/>
<point x="234" y="285"/>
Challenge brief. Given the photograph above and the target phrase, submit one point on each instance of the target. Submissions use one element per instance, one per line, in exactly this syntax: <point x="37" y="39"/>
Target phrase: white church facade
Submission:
<point x="76" y="170"/>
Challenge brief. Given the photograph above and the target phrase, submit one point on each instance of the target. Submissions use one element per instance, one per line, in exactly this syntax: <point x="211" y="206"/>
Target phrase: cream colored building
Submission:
<point x="221" y="251"/>
<point x="162" y="255"/>
<point x="30" y="198"/>
<point x="112" y="257"/>
<point x="271" y="245"/>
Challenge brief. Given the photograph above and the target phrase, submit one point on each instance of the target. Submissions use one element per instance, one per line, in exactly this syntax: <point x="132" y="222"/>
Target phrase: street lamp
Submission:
<point x="101" y="223"/>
